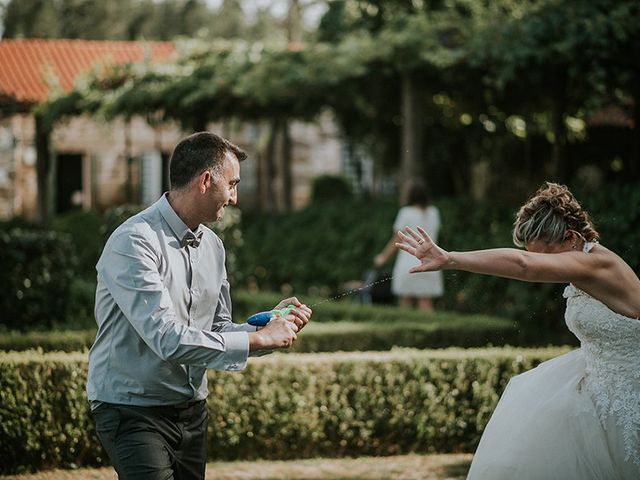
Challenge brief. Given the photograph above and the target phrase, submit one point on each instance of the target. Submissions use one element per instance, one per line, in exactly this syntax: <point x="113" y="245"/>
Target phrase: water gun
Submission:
<point x="262" y="318"/>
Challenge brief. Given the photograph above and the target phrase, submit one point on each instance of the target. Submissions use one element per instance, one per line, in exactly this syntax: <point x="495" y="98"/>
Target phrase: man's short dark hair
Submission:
<point x="197" y="153"/>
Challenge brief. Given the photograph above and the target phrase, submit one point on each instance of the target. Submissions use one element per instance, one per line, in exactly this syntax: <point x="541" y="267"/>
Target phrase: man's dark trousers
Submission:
<point x="154" y="443"/>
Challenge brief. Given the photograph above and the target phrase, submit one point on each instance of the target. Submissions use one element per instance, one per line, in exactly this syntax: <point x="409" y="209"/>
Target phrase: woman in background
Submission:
<point x="422" y="288"/>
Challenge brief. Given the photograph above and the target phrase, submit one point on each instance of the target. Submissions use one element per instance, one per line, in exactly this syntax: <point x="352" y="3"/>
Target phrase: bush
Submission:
<point x="441" y="331"/>
<point x="322" y="246"/>
<point x="48" y="341"/>
<point x="84" y="229"/>
<point x="35" y="279"/>
<point x="330" y="188"/>
<point x="114" y="217"/>
<point x="81" y="305"/>
<point x="326" y="405"/>
<point x="459" y="331"/>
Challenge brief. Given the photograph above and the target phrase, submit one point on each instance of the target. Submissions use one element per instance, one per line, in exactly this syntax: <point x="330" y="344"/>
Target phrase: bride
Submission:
<point x="576" y="416"/>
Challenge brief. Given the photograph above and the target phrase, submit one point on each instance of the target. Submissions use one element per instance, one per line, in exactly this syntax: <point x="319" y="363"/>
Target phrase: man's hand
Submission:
<point x="300" y="315"/>
<point x="278" y="333"/>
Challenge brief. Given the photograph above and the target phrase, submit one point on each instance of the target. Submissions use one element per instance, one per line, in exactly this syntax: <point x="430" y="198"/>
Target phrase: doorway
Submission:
<point x="69" y="193"/>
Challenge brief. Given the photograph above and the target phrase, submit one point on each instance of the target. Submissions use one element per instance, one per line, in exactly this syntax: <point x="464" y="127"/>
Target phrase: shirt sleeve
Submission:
<point x="222" y="321"/>
<point x="132" y="276"/>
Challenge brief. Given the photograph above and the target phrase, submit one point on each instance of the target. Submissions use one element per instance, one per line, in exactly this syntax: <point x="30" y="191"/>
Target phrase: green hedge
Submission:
<point x="324" y="245"/>
<point x="463" y="331"/>
<point x="336" y="326"/>
<point x="325" y="405"/>
<point x="443" y="330"/>
<point x="35" y="278"/>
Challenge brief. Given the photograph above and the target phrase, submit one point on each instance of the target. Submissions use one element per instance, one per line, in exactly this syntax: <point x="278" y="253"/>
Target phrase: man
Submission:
<point x="164" y="316"/>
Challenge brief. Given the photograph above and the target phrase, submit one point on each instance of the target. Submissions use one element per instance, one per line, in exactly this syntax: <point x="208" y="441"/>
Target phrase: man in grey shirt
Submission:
<point x="164" y="316"/>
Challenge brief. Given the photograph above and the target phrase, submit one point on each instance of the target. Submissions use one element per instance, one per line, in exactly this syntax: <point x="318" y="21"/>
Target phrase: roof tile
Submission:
<point x="30" y="67"/>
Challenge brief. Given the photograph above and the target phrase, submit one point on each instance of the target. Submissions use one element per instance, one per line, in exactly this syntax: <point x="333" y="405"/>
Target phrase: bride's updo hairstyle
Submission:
<point x="547" y="216"/>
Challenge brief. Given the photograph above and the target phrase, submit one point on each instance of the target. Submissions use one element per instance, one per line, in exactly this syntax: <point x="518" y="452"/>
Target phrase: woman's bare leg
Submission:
<point x="406" y="302"/>
<point x="425" y="304"/>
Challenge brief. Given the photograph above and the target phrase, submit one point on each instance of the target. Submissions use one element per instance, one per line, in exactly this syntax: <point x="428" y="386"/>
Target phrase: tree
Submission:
<point x="558" y="59"/>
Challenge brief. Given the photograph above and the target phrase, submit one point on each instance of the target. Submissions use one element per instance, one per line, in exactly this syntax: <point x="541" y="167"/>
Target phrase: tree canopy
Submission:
<point x="483" y="76"/>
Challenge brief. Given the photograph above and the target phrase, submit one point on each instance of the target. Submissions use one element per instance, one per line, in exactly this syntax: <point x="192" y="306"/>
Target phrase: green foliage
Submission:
<point x="332" y="330"/>
<point x="439" y="331"/>
<point x="114" y="217"/>
<point x="330" y="187"/>
<point x="327" y="245"/>
<point x="84" y="230"/>
<point x="327" y="405"/>
<point x="322" y="245"/>
<point x="144" y="20"/>
<point x="81" y="305"/>
<point x="580" y="44"/>
<point x="489" y="61"/>
<point x="57" y="340"/>
<point x="35" y="279"/>
<point x="615" y="210"/>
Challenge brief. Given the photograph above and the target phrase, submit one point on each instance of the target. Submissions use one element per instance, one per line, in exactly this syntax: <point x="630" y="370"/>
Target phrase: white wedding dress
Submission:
<point x="577" y="416"/>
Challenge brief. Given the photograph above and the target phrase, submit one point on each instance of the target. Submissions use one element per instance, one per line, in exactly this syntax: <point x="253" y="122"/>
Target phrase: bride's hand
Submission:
<point x="431" y="256"/>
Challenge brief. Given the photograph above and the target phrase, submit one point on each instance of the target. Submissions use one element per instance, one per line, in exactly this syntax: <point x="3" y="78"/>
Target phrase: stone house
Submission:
<point x="95" y="164"/>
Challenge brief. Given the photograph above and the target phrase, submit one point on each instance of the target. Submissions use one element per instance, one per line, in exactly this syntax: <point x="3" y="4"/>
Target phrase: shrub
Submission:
<point x="330" y="188"/>
<point x="84" y="229"/>
<point x="81" y="305"/>
<point x="35" y="279"/>
<point x="326" y="405"/>
<point x="48" y="341"/>
<point x="441" y="331"/>
<point x="321" y="246"/>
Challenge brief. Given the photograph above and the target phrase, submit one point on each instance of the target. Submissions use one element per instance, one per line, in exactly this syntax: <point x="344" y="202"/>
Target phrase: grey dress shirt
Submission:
<point x="163" y="312"/>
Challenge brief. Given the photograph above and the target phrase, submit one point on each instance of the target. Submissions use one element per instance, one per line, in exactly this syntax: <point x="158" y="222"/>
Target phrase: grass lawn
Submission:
<point x="424" y="467"/>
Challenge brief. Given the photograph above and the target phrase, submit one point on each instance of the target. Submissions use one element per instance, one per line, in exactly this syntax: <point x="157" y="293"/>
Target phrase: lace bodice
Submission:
<point x="611" y="346"/>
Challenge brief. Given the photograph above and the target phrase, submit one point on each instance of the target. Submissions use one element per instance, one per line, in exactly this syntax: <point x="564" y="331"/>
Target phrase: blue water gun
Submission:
<point x="262" y="318"/>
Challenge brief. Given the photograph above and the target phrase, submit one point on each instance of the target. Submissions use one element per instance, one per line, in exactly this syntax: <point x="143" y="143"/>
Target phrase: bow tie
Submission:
<point x="191" y="239"/>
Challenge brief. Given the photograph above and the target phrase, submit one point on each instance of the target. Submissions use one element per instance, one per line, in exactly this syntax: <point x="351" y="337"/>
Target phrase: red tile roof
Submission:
<point x="28" y="67"/>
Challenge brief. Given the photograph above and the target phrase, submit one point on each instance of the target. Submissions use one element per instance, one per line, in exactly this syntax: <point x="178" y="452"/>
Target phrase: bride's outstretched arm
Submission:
<point x="512" y="263"/>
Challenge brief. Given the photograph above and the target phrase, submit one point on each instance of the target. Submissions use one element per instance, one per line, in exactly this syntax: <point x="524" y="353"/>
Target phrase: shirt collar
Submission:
<point x="178" y="227"/>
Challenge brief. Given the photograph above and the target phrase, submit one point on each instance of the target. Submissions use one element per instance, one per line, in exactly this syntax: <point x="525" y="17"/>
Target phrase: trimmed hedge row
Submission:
<point x="35" y="278"/>
<point x="348" y="404"/>
<point x="442" y="330"/>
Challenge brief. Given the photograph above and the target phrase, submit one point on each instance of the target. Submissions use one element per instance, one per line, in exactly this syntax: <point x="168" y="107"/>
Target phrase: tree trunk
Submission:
<point x="281" y="164"/>
<point x="634" y="160"/>
<point x="556" y="168"/>
<point x="43" y="168"/>
<point x="294" y="22"/>
<point x="129" y="160"/>
<point x="286" y="168"/>
<point x="267" y="172"/>
<point x="412" y="114"/>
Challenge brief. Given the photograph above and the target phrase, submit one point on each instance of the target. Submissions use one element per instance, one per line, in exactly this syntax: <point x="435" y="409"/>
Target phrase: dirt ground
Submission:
<point x="406" y="467"/>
